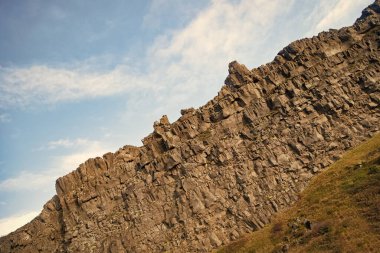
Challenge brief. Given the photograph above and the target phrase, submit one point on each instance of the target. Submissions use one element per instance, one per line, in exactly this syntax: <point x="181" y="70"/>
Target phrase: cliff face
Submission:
<point x="222" y="170"/>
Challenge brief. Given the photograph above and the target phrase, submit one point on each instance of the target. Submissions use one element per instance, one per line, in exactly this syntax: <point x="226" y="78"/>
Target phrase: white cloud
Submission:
<point x="219" y="31"/>
<point x="335" y="14"/>
<point x="27" y="180"/>
<point x="72" y="161"/>
<point x="61" y="165"/>
<point x="11" y="223"/>
<point x="180" y="62"/>
<point x="197" y="55"/>
<point x="61" y="143"/>
<point x="43" y="84"/>
<point x="67" y="143"/>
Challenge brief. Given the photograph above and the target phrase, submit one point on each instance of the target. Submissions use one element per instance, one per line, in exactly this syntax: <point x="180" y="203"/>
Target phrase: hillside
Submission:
<point x="222" y="170"/>
<point x="338" y="212"/>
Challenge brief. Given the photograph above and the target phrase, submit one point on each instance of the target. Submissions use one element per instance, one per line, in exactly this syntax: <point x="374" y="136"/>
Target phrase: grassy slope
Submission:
<point x="342" y="205"/>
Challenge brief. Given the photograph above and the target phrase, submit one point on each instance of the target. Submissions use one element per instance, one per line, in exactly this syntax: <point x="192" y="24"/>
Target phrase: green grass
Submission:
<point x="338" y="212"/>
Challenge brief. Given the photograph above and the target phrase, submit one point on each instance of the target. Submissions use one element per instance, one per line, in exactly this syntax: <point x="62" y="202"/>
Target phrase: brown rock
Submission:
<point x="222" y="170"/>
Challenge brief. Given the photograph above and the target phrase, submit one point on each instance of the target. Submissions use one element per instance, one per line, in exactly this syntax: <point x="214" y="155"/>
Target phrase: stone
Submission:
<point x="215" y="240"/>
<point x="222" y="170"/>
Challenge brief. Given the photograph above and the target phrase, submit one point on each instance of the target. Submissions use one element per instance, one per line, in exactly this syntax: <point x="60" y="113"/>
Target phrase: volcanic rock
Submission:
<point x="222" y="170"/>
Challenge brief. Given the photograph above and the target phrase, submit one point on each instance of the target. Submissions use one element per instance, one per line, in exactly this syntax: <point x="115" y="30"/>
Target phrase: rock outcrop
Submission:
<point x="224" y="169"/>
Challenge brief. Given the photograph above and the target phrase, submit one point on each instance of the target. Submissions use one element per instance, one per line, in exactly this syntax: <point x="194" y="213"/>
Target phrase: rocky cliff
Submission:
<point x="224" y="169"/>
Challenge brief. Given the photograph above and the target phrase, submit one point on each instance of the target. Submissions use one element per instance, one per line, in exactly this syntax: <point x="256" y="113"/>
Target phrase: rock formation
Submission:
<point x="224" y="169"/>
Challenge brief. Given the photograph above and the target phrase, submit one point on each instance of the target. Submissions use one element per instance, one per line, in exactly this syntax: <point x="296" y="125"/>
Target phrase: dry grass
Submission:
<point x="338" y="212"/>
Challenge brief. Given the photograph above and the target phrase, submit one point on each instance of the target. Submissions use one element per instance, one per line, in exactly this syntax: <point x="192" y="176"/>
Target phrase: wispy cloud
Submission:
<point x="335" y="14"/>
<point x="196" y="56"/>
<point x="218" y="32"/>
<point x="67" y="143"/>
<point x="160" y="11"/>
<point x="48" y="85"/>
<point x="5" y="118"/>
<point x="180" y="62"/>
<point x="11" y="223"/>
<point x="28" y="180"/>
<point x="62" y="143"/>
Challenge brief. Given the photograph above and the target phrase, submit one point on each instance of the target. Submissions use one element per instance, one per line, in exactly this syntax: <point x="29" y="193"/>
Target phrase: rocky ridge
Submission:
<point x="224" y="169"/>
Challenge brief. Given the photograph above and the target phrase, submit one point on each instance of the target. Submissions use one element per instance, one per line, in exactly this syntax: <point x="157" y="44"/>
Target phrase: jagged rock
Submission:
<point x="224" y="169"/>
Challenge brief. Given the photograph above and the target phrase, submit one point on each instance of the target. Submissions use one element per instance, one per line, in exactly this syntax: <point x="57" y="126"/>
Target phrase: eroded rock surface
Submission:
<point x="224" y="169"/>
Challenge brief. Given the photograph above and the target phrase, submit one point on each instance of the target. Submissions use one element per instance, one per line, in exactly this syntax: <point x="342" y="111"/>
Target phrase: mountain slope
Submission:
<point x="338" y="212"/>
<point x="224" y="169"/>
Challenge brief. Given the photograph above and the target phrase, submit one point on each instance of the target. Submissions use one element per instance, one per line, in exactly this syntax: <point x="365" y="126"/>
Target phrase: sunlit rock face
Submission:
<point x="224" y="169"/>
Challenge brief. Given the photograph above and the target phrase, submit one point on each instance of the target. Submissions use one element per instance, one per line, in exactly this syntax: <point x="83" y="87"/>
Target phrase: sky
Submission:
<point x="82" y="78"/>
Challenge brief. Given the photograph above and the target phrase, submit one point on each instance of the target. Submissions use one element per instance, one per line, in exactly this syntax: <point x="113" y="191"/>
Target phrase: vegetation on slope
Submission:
<point x="338" y="212"/>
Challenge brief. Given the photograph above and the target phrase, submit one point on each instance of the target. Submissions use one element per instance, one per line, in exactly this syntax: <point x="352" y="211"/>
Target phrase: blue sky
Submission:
<point x="81" y="78"/>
